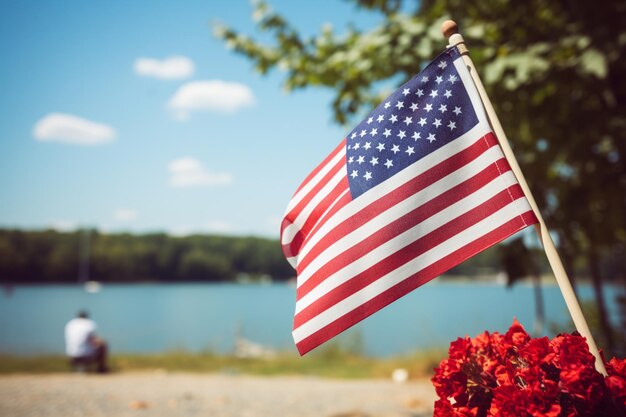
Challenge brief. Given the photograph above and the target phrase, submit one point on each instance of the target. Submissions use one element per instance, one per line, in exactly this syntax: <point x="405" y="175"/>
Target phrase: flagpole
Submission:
<point x="449" y="29"/>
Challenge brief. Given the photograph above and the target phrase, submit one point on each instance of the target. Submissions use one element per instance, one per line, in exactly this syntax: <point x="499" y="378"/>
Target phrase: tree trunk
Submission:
<point x="596" y="278"/>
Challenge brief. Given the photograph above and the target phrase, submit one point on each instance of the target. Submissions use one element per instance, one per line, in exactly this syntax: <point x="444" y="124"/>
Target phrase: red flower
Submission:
<point x="460" y="348"/>
<point x="443" y="408"/>
<point x="449" y="380"/>
<point x="616" y="383"/>
<point x="584" y="387"/>
<point x="571" y="350"/>
<point x="537" y="351"/>
<point x="516" y="335"/>
<point x="617" y="367"/>
<point x="514" y="375"/>
<point x="509" y="401"/>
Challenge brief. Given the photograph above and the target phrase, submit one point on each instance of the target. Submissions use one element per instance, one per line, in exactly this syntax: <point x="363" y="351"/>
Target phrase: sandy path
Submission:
<point x="150" y="394"/>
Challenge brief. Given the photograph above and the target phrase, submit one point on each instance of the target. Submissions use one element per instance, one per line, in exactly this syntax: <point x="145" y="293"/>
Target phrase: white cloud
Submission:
<point x="66" y="128"/>
<point x="214" y="95"/>
<point x="189" y="172"/>
<point x="170" y="68"/>
<point x="125" y="215"/>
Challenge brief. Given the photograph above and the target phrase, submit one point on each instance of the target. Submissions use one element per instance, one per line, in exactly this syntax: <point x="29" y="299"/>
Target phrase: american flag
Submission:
<point x="416" y="188"/>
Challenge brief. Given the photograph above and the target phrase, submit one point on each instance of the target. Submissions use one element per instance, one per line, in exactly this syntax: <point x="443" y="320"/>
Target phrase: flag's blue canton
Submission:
<point x="424" y="114"/>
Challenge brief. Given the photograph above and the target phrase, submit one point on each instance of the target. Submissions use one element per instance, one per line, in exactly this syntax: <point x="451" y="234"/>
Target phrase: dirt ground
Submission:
<point x="152" y="394"/>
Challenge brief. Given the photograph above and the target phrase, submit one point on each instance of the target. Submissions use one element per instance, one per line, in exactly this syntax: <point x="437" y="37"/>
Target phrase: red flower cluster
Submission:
<point x="514" y="375"/>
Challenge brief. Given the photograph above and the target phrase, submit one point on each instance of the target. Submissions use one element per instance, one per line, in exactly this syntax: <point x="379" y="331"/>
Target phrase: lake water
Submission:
<point x="152" y="318"/>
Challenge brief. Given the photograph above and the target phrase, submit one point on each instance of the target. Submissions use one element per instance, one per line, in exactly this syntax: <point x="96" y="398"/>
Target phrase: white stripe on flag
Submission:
<point x="331" y="206"/>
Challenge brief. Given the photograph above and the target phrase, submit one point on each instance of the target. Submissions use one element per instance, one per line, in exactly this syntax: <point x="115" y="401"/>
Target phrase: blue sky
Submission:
<point x="88" y="139"/>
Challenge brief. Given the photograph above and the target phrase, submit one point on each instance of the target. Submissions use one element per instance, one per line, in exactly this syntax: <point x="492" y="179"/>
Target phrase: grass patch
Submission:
<point x="332" y="361"/>
<point x="32" y="365"/>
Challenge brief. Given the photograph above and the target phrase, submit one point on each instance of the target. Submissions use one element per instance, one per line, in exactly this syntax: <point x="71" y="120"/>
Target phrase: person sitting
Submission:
<point x="82" y="345"/>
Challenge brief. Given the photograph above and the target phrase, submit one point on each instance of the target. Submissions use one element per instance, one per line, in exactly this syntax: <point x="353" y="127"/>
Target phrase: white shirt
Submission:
<point x="78" y="332"/>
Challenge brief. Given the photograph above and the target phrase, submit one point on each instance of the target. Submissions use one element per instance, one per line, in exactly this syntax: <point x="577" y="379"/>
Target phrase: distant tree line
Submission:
<point x="53" y="256"/>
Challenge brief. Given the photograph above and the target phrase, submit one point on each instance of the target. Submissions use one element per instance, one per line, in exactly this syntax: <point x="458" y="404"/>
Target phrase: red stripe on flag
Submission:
<point x="341" y="203"/>
<point x="323" y="205"/>
<point x="401" y="289"/>
<point x="302" y="204"/>
<point x="292" y="248"/>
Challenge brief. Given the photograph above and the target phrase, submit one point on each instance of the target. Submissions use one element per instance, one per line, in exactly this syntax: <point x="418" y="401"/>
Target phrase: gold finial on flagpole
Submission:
<point x="449" y="28"/>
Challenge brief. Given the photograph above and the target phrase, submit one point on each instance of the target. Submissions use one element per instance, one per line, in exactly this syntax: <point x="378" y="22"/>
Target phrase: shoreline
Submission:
<point x="491" y="278"/>
<point x="333" y="362"/>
